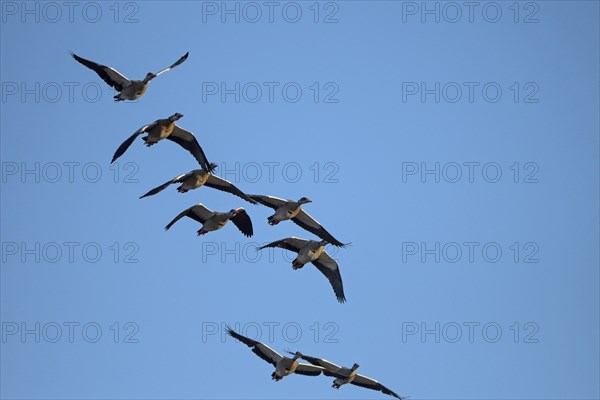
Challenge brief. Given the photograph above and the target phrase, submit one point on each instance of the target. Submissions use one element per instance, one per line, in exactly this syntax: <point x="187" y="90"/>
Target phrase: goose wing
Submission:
<point x="243" y="222"/>
<point x="363" y="381"/>
<point x="331" y="369"/>
<point x="197" y="212"/>
<point x="310" y="224"/>
<point x="258" y="348"/>
<point x="162" y="187"/>
<point x="292" y="244"/>
<point x="109" y="75"/>
<point x="221" y="184"/>
<point x="307" y="369"/>
<point x="125" y="145"/>
<point x="269" y="201"/>
<point x="180" y="61"/>
<point x="187" y="140"/>
<point x="329" y="267"/>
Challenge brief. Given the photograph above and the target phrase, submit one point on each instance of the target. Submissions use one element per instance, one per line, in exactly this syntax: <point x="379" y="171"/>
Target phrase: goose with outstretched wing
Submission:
<point x="128" y="89"/>
<point x="212" y="220"/>
<point x="289" y="209"/>
<point x="313" y="251"/>
<point x="284" y="366"/>
<point x="344" y="375"/>
<point x="200" y="177"/>
<point x="168" y="129"/>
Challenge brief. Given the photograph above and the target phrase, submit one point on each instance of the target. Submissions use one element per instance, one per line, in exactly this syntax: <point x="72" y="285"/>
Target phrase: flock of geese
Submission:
<point x="309" y="251"/>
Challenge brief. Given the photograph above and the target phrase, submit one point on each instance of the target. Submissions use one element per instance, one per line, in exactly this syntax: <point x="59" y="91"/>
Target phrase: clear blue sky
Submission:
<point x="387" y="94"/>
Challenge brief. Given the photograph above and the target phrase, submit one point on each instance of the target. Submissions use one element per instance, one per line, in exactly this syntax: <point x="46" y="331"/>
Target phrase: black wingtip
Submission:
<point x="211" y="167"/>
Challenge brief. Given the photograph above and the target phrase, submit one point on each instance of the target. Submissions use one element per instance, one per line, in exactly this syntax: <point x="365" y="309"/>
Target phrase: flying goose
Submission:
<point x="344" y="375"/>
<point x="289" y="209"/>
<point x="199" y="177"/>
<point x="168" y="129"/>
<point x="212" y="220"/>
<point x="284" y="366"/>
<point x="314" y="252"/>
<point x="128" y="89"/>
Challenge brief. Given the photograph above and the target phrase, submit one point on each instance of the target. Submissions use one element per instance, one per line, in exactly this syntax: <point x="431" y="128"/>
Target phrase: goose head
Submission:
<point x="304" y="200"/>
<point x="234" y="212"/>
<point x="297" y="355"/>
<point x="323" y="243"/>
<point x="149" y="77"/>
<point x="175" y="117"/>
<point x="355" y="367"/>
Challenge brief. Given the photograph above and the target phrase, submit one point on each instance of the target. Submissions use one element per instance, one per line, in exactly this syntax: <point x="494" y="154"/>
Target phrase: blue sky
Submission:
<point x="456" y="149"/>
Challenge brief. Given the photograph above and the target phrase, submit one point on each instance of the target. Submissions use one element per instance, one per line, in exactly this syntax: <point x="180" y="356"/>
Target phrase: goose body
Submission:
<point x="193" y="180"/>
<point x="128" y="89"/>
<point x="134" y="90"/>
<point x="312" y="251"/>
<point x="284" y="366"/>
<point x="212" y="220"/>
<point x="168" y="129"/>
<point x="200" y="177"/>
<point x="159" y="131"/>
<point x="309" y="253"/>
<point x="345" y="375"/>
<point x="289" y="209"/>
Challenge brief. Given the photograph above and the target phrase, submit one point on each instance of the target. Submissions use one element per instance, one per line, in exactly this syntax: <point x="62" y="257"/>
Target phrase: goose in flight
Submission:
<point x="199" y="177"/>
<point x="314" y="252"/>
<point x="289" y="209"/>
<point x="284" y="366"/>
<point x="168" y="129"/>
<point x="128" y="89"/>
<point x="344" y="375"/>
<point x="212" y="220"/>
